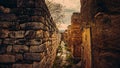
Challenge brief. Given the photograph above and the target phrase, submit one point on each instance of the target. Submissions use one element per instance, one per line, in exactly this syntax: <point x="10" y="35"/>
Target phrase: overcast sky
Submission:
<point x="70" y="7"/>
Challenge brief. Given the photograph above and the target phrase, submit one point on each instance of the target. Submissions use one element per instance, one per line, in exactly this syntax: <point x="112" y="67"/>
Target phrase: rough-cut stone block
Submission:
<point x="7" y="58"/>
<point x="20" y="41"/>
<point x="34" y="34"/>
<point x="40" y="48"/>
<point x="4" y="24"/>
<point x="18" y="57"/>
<point x="22" y="66"/>
<point x="26" y="3"/>
<point x="35" y="13"/>
<point x="39" y="3"/>
<point x="34" y="25"/>
<point x="4" y="33"/>
<point x="9" y="49"/>
<point x="34" y="42"/>
<point x="39" y="33"/>
<point x="17" y="34"/>
<point x="9" y="41"/>
<point x="38" y="17"/>
<point x="33" y="56"/>
<point x="36" y="65"/>
<point x="46" y="34"/>
<point x="8" y="17"/>
<point x="20" y="48"/>
<point x="10" y="25"/>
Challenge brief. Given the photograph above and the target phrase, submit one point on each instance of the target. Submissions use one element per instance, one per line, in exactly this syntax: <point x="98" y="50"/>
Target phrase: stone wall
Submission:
<point x="86" y="48"/>
<point x="75" y="39"/>
<point x="75" y="35"/>
<point x="28" y="36"/>
<point x="103" y="16"/>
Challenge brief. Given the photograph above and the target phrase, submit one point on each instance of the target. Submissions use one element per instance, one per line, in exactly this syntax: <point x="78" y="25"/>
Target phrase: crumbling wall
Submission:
<point x="86" y="48"/>
<point x="28" y="35"/>
<point x="103" y="16"/>
<point x="75" y="35"/>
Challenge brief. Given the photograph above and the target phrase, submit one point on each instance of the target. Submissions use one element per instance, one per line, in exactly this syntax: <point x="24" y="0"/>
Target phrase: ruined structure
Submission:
<point x="103" y="17"/>
<point x="28" y="36"/>
<point x="75" y="35"/>
<point x="100" y="34"/>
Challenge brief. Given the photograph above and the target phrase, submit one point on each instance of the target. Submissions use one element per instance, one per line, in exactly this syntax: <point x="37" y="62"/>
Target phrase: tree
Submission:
<point x="56" y="11"/>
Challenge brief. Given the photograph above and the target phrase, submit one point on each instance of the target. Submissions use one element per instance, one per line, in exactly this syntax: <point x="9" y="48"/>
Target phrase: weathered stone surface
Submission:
<point x="17" y="34"/>
<point x="26" y="3"/>
<point x="4" y="33"/>
<point x="7" y="58"/>
<point x="36" y="65"/>
<point x="8" y="17"/>
<point x="40" y="48"/>
<point x="46" y="34"/>
<point x="9" y="41"/>
<point x="95" y="6"/>
<point x="34" y="42"/>
<point x="20" y="48"/>
<point x="22" y="66"/>
<point x="105" y="16"/>
<point x="34" y="34"/>
<point x="33" y="56"/>
<point x="9" y="49"/>
<point x="18" y="57"/>
<point x="25" y="27"/>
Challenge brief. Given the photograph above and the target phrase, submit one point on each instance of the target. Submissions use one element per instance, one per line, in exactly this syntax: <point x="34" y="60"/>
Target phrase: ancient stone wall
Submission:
<point x="86" y="48"/>
<point x="103" y="16"/>
<point x="75" y="35"/>
<point x="28" y="35"/>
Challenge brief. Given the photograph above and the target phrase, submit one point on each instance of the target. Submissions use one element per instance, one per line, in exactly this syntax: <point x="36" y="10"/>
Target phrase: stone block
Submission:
<point x="22" y="66"/>
<point x="30" y="34"/>
<point x="18" y="57"/>
<point x="34" y="25"/>
<point x="17" y="34"/>
<point x="9" y="41"/>
<point x="46" y="34"/>
<point x="20" y="41"/>
<point x="26" y="3"/>
<point x="36" y="64"/>
<point x="4" y="33"/>
<point x="40" y="48"/>
<point x="7" y="58"/>
<point x="10" y="25"/>
<point x="33" y="56"/>
<point x="9" y="49"/>
<point x="39" y="3"/>
<point x="8" y="17"/>
<point x="20" y="48"/>
<point x="4" y="24"/>
<point x="39" y="33"/>
<point x="34" y="42"/>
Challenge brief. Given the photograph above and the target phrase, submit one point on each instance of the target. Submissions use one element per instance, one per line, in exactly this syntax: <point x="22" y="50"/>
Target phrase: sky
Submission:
<point x="70" y="6"/>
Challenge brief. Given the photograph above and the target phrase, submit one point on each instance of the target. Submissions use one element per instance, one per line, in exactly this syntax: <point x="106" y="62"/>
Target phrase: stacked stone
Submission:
<point x="75" y="35"/>
<point x="28" y="35"/>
